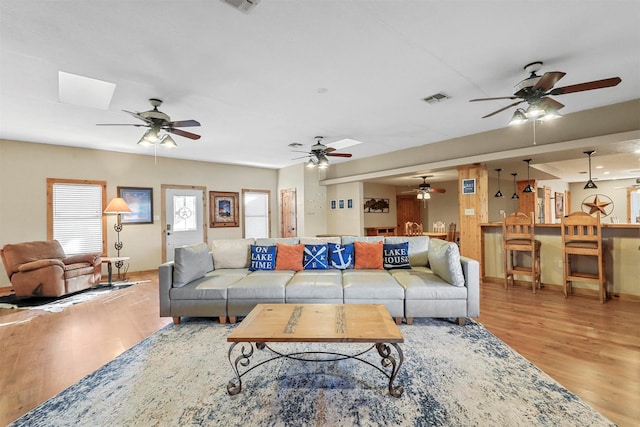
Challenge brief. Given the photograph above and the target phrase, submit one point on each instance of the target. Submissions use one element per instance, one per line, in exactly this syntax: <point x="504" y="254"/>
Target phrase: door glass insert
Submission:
<point x="184" y="214"/>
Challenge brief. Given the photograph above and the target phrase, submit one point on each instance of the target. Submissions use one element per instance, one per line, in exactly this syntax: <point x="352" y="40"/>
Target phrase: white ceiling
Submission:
<point x="290" y="70"/>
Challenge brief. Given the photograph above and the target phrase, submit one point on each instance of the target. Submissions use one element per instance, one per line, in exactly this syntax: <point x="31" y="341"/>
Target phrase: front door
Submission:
<point x="183" y="217"/>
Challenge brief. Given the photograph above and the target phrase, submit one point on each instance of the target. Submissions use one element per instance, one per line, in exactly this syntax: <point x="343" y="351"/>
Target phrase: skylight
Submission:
<point x="84" y="91"/>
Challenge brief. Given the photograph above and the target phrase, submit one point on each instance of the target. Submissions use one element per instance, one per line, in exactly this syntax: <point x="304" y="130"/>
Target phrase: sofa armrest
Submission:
<point x="471" y="272"/>
<point x="165" y="281"/>
<point x="41" y="263"/>
<point x="93" y="259"/>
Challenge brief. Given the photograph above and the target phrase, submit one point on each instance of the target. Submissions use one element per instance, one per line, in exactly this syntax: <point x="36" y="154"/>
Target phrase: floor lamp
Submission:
<point x="117" y="206"/>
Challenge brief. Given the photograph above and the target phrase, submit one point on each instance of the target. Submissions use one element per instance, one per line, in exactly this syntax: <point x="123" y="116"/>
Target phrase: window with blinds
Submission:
<point x="76" y="218"/>
<point x="255" y="215"/>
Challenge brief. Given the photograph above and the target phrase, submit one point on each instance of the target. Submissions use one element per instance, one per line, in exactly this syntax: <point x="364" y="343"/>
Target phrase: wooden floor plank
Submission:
<point x="592" y="349"/>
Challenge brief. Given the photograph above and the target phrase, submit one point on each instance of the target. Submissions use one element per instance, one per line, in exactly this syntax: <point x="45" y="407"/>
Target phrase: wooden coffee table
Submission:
<point x="316" y="323"/>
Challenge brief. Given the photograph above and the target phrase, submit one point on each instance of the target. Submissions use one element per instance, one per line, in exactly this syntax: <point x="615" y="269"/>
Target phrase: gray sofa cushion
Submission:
<point x="232" y="253"/>
<point x="190" y="263"/>
<point x="315" y="284"/>
<point x="444" y="260"/>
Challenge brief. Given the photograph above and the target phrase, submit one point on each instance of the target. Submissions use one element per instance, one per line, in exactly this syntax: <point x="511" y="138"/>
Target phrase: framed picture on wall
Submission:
<point x="223" y="209"/>
<point x="140" y="201"/>
<point x="349" y="203"/>
<point x="341" y="203"/>
<point x="469" y="186"/>
<point x="333" y="204"/>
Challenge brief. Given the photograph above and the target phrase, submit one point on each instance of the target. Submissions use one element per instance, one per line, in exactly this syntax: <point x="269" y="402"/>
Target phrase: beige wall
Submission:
<point x="346" y="221"/>
<point x="25" y="167"/>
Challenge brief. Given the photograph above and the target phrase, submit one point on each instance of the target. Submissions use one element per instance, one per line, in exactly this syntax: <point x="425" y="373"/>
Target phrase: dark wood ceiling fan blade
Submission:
<point x="329" y="150"/>
<point x="548" y="80"/>
<point x="493" y="99"/>
<point x="183" y="123"/>
<point x="338" y="154"/>
<point x="183" y="133"/>
<point x="502" y="109"/>
<point x="437" y="190"/>
<point x="580" y="87"/>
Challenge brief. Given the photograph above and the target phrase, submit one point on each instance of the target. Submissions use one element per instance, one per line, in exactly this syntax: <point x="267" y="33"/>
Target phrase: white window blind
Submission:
<point x="256" y="214"/>
<point x="77" y="217"/>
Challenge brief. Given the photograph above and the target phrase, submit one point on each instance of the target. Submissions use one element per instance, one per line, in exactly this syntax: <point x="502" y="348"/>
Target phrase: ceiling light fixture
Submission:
<point x="534" y="112"/>
<point x="499" y="193"/>
<point x="590" y="184"/>
<point x="529" y="187"/>
<point x="515" y="187"/>
<point x="323" y="162"/>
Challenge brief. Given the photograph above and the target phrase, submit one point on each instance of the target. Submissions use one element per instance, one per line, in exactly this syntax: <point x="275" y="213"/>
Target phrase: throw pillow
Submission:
<point x="289" y="257"/>
<point x="341" y="256"/>
<point x="315" y="257"/>
<point x="190" y="263"/>
<point x="368" y="255"/>
<point x="232" y="253"/>
<point x="396" y="255"/>
<point x="444" y="260"/>
<point x="262" y="258"/>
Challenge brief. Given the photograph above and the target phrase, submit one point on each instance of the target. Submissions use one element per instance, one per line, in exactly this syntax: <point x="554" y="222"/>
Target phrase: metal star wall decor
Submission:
<point x="600" y="203"/>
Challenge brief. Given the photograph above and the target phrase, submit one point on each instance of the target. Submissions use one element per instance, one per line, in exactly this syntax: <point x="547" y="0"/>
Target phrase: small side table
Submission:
<point x="110" y="261"/>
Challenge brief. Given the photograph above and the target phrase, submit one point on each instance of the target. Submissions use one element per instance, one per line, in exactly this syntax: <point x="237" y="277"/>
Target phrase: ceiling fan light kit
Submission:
<point x="318" y="154"/>
<point x="160" y="125"/>
<point x="537" y="90"/>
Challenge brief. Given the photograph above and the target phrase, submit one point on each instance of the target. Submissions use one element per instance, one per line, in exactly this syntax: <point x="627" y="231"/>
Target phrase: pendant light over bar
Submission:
<point x="590" y="184"/>
<point x="529" y="187"/>
<point x="499" y="193"/>
<point x="515" y="187"/>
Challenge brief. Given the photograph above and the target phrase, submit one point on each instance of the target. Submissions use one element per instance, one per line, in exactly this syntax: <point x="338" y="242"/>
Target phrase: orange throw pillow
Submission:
<point x="289" y="257"/>
<point x="368" y="255"/>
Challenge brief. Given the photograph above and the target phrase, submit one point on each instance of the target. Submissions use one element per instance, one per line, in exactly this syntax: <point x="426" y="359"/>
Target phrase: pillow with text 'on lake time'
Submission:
<point x="262" y="258"/>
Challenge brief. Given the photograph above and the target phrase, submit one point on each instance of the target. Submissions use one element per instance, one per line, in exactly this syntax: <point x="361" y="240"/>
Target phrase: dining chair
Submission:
<point x="518" y="237"/>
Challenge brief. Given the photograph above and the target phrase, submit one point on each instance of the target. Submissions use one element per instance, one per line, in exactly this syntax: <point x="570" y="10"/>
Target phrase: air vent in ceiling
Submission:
<point x="244" y="6"/>
<point x="438" y="97"/>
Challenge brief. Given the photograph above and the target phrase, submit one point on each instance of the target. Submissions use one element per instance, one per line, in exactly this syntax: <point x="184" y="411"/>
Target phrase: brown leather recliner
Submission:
<point x="42" y="269"/>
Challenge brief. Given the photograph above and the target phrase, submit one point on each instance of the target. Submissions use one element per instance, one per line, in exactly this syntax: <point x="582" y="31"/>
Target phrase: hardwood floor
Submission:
<point x="592" y="349"/>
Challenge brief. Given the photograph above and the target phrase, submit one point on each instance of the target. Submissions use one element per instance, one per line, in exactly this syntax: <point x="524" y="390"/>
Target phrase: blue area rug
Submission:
<point x="452" y="376"/>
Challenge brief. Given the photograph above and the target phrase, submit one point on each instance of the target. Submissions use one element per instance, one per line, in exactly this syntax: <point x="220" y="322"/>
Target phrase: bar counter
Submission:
<point x="621" y="243"/>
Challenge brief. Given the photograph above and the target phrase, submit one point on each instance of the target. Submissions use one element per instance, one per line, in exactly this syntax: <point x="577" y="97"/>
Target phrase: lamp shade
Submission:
<point x="168" y="142"/>
<point x="117" y="205"/>
<point x="518" y="118"/>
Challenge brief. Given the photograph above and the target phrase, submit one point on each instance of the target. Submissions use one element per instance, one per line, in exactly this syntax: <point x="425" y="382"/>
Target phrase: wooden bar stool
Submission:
<point x="518" y="236"/>
<point x="582" y="235"/>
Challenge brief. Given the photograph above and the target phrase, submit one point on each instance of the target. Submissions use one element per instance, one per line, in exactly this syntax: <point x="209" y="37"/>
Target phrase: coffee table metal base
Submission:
<point x="390" y="364"/>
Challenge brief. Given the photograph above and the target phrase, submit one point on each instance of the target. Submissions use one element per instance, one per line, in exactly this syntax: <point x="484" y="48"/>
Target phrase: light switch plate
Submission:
<point x="469" y="211"/>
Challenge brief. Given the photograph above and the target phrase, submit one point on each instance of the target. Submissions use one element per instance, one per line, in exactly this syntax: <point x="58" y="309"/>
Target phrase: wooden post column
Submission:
<point x="474" y="208"/>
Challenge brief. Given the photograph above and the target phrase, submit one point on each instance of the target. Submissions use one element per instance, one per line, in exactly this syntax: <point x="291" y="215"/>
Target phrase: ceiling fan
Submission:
<point x="425" y="188"/>
<point x="158" y="121"/>
<point x="319" y="153"/>
<point x="536" y="91"/>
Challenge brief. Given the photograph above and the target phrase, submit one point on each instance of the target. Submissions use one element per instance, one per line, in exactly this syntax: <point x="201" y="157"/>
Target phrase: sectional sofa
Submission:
<point x="411" y="276"/>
